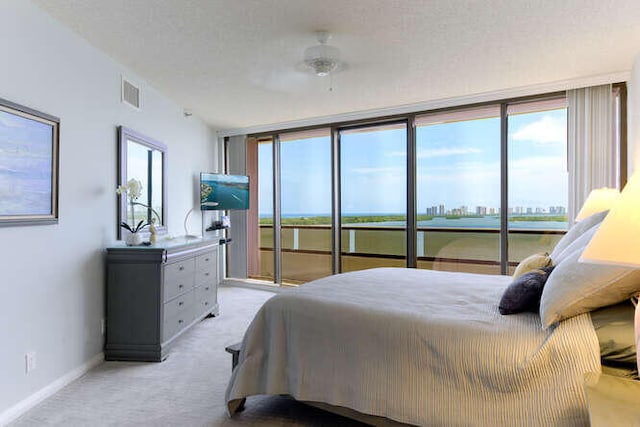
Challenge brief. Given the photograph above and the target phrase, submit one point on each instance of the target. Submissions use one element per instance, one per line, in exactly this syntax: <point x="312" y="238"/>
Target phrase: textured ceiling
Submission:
<point x="236" y="63"/>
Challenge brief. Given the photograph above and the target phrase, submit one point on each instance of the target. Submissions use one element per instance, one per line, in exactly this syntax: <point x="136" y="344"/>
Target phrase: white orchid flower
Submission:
<point x="133" y="189"/>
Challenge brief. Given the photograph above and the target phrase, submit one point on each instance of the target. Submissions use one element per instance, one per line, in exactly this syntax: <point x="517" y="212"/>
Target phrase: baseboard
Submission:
<point x="23" y="406"/>
<point x="251" y="284"/>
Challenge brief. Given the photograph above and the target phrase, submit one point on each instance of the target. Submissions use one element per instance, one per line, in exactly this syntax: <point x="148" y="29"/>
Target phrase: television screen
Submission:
<point x="223" y="192"/>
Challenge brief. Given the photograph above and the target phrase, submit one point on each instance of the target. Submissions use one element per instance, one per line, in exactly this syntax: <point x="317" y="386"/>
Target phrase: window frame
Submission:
<point x="411" y="119"/>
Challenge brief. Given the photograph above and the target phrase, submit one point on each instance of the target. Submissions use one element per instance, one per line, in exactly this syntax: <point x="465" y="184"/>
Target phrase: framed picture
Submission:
<point x="29" y="146"/>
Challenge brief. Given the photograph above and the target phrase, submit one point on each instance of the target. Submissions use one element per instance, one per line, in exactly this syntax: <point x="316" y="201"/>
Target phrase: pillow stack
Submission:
<point x="579" y="287"/>
<point x="572" y="287"/>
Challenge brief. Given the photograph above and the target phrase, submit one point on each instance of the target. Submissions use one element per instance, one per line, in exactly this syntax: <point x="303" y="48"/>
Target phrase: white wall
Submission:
<point x="52" y="278"/>
<point x="633" y="117"/>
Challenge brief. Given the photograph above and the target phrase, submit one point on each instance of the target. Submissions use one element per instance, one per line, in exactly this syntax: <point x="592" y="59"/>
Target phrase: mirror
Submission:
<point x="144" y="159"/>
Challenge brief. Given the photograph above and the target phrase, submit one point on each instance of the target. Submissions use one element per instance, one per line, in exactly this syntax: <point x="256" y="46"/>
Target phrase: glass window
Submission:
<point x="265" y="211"/>
<point x="458" y="190"/>
<point x="459" y="173"/>
<point x="373" y="183"/>
<point x="305" y="199"/>
<point x="538" y="177"/>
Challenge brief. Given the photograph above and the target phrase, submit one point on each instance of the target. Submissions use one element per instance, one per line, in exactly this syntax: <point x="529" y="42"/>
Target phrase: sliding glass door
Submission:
<point x="471" y="189"/>
<point x="458" y="190"/>
<point x="538" y="177"/>
<point x="373" y="202"/>
<point x="305" y="205"/>
<point x="262" y="267"/>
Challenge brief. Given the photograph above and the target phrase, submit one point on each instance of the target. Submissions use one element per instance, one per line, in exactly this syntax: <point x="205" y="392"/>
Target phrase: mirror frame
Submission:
<point x="125" y="134"/>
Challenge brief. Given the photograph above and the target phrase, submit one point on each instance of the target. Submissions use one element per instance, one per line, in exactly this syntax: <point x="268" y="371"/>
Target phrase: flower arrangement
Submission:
<point x="135" y="229"/>
<point x="133" y="190"/>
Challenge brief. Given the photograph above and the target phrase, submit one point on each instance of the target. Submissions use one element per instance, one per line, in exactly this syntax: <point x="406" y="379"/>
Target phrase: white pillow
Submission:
<point x="580" y="243"/>
<point x="575" y="232"/>
<point x="578" y="287"/>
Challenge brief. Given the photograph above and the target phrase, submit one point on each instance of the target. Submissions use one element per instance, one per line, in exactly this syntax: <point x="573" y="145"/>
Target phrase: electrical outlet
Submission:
<point x="30" y="361"/>
<point x="103" y="325"/>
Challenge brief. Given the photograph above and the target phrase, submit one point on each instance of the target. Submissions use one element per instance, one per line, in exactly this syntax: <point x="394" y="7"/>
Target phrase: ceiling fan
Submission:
<point x="320" y="60"/>
<point x="323" y="59"/>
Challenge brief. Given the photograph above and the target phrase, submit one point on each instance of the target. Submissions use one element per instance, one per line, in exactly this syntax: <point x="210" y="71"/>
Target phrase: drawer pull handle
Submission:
<point x="206" y="259"/>
<point x="206" y="274"/>
<point x="206" y="303"/>
<point x="180" y="321"/>
<point x="180" y="286"/>
<point x="206" y="288"/>
<point x="181" y="268"/>
<point x="180" y="303"/>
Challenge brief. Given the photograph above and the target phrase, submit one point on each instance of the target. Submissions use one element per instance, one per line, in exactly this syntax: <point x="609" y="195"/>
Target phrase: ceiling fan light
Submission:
<point x="322" y="67"/>
<point x="322" y="58"/>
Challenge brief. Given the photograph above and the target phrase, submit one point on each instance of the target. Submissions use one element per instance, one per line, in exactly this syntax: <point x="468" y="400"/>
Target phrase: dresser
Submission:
<point x="155" y="293"/>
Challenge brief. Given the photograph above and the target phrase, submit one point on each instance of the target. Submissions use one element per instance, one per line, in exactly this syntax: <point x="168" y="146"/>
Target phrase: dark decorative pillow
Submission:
<point x="523" y="294"/>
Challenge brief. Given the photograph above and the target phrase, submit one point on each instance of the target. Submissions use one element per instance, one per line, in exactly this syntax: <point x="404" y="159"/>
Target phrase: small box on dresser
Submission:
<point x="155" y="293"/>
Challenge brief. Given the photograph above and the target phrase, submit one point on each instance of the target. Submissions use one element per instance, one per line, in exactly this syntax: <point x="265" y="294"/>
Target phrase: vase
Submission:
<point x="133" y="239"/>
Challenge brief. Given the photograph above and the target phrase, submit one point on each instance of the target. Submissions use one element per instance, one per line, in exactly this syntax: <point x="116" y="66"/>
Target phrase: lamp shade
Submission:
<point x="598" y="200"/>
<point x="617" y="241"/>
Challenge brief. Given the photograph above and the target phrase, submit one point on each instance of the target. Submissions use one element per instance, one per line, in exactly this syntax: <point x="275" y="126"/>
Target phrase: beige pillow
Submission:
<point x="578" y="287"/>
<point x="575" y="232"/>
<point x="613" y="401"/>
<point x="531" y="263"/>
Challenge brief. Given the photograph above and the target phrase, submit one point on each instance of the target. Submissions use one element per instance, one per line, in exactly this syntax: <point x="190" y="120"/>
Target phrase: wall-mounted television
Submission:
<point x="221" y="192"/>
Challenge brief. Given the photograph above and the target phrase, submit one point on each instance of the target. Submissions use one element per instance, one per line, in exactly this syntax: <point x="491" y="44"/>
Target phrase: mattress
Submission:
<point x="419" y="347"/>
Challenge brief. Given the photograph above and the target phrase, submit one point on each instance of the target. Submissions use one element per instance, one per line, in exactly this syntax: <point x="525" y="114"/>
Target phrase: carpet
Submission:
<point x="187" y="389"/>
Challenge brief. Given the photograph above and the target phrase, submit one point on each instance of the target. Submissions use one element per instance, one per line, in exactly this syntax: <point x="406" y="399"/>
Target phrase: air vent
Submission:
<point x="130" y="94"/>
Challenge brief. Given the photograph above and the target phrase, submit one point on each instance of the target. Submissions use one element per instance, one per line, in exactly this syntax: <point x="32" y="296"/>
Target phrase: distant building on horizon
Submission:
<point x="441" y="210"/>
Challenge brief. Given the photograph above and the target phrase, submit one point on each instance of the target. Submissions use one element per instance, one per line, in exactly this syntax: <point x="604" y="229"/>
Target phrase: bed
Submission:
<point x="422" y="347"/>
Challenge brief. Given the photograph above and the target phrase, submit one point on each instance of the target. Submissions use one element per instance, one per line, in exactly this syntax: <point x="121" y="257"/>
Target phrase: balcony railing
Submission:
<point x="306" y="249"/>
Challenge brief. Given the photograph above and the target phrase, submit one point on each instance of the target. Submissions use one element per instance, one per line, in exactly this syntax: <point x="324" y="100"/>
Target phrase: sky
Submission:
<point x="457" y="164"/>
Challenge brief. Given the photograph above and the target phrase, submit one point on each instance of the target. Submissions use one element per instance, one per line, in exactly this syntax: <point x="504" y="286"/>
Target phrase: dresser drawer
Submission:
<point x="205" y="277"/>
<point x="178" y="305"/>
<point x="207" y="261"/>
<point x="177" y="316"/>
<point x="206" y="269"/>
<point x="178" y="278"/>
<point x="206" y="298"/>
<point x="172" y="326"/>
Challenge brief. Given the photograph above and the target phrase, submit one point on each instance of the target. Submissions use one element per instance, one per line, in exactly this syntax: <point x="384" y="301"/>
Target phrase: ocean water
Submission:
<point x="442" y="222"/>
<point x="484" y="222"/>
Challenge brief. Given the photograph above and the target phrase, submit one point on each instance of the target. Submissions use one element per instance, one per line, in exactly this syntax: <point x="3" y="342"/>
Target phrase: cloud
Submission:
<point x="446" y="152"/>
<point x="539" y="181"/>
<point x="439" y="152"/>
<point x="547" y="129"/>
<point x="539" y="164"/>
<point x="459" y="167"/>
<point x="469" y="171"/>
<point x="384" y="170"/>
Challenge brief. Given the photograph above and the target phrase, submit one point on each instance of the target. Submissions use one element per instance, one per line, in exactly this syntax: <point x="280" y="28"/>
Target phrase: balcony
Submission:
<point x="306" y="250"/>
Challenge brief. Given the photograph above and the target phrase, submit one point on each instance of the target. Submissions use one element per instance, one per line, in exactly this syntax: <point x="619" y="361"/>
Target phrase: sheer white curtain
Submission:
<point x="592" y="146"/>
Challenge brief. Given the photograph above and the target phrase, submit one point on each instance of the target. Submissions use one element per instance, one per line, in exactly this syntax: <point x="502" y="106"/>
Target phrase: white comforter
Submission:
<point x="417" y="346"/>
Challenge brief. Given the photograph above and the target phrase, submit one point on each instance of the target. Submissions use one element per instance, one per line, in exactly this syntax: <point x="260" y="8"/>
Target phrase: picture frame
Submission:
<point x="29" y="161"/>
